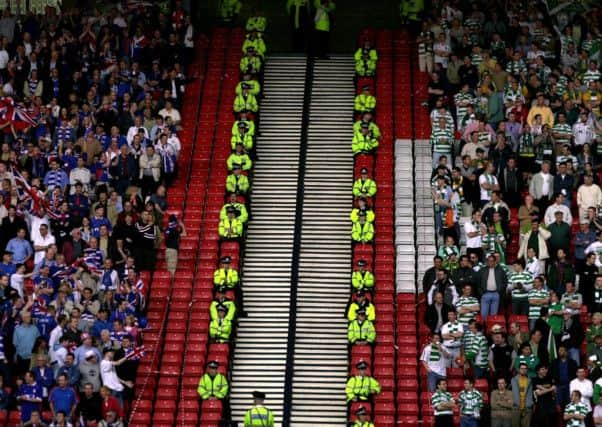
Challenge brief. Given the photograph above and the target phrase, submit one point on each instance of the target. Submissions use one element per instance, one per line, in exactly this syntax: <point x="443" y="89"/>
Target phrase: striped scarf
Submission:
<point x="435" y="354"/>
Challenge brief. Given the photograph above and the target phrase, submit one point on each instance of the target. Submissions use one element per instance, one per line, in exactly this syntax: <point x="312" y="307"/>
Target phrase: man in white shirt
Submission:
<point x="42" y="242"/>
<point x="585" y="386"/>
<point x="588" y="195"/>
<point x="542" y="186"/>
<point x="452" y="333"/>
<point x="80" y="174"/>
<point x="133" y="130"/>
<point x="488" y="183"/>
<point x="582" y="131"/>
<point x="558" y="206"/>
<point x="474" y="230"/>
<point x="171" y="112"/>
<point x="435" y="359"/>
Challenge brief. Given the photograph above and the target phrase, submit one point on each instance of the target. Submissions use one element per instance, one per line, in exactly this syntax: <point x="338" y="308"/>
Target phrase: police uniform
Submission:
<point x="357" y="305"/>
<point x="362" y="280"/>
<point x="215" y="385"/>
<point x="361" y="387"/>
<point x="225" y="276"/>
<point x="237" y="182"/>
<point x="362" y="418"/>
<point x="258" y="415"/>
<point x="365" y="102"/>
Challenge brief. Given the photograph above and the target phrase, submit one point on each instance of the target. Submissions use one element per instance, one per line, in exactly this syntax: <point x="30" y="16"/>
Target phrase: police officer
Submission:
<point x="254" y="40"/>
<point x="299" y="12"/>
<point x="259" y="415"/>
<point x="230" y="228"/>
<point x="221" y="299"/>
<point x="367" y="50"/>
<point x="363" y="141"/>
<point x="239" y="157"/>
<point x="254" y="85"/>
<point x="362" y="231"/>
<point x="322" y="26"/>
<point x="361" y="387"/>
<point x="224" y="275"/>
<point x="363" y="420"/>
<point x="213" y="385"/>
<point x="365" y="101"/>
<point x="361" y="302"/>
<point x="242" y="118"/>
<point x="362" y="279"/>
<point x="239" y="208"/>
<point x="364" y="66"/>
<point x="372" y="127"/>
<point x="242" y="137"/>
<point x="361" y="330"/>
<point x="220" y="329"/>
<point x="236" y="182"/>
<point x="251" y="62"/>
<point x="245" y="102"/>
<point x="256" y="22"/>
<point x="362" y="206"/>
<point x="364" y="186"/>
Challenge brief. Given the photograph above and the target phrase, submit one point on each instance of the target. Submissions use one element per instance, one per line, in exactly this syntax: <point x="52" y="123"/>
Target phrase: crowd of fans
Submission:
<point x="514" y="102"/>
<point x="90" y="120"/>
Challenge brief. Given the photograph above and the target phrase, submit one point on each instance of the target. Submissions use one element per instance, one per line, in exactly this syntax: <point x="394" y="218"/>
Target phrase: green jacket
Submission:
<point x="355" y="215"/>
<point x="364" y="103"/>
<point x="220" y="331"/>
<point x="362" y="232"/>
<point x="372" y="127"/>
<point x="257" y="43"/>
<point x="239" y="159"/>
<point x="230" y="228"/>
<point x="361" y="280"/>
<point x="245" y="104"/>
<point x="250" y="64"/>
<point x="365" y="68"/>
<point x="363" y="143"/>
<point x="361" y="332"/>
<point x="256" y="23"/>
<point x="213" y="387"/>
<point x="236" y="184"/>
<point x="229" y="8"/>
<point x="229" y="305"/>
<point x="255" y="89"/>
<point x="259" y="416"/>
<point x="322" y="18"/>
<point x="243" y="215"/>
<point x="365" y="188"/>
<point x="245" y="139"/>
<point x="372" y="54"/>
<point x="223" y="277"/>
<point x="250" y="124"/>
<point x="297" y="4"/>
<point x="361" y="388"/>
<point x="354" y="307"/>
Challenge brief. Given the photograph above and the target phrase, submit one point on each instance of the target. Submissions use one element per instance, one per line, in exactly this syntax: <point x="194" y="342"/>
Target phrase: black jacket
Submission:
<point x="430" y="316"/>
<point x="555" y="370"/>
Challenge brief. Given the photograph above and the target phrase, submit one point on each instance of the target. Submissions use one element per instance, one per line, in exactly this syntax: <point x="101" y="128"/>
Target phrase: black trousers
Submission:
<point x="321" y="43"/>
<point x="444" y="421"/>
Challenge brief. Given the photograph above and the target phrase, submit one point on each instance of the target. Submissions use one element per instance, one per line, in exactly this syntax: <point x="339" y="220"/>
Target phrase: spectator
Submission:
<point x="584" y="387"/>
<point x="435" y="359"/>
<point x="110" y="403"/>
<point x="29" y="396"/>
<point x="443" y="404"/>
<point x="576" y="411"/>
<point x="544" y="390"/>
<point x="63" y="398"/>
<point x="436" y="313"/>
<point x="501" y="405"/>
<point x="90" y="404"/>
<point x="492" y="286"/>
<point x="522" y="397"/>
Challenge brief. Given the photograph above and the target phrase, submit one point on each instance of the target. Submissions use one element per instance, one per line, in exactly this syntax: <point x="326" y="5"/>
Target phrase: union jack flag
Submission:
<point x="136" y="353"/>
